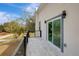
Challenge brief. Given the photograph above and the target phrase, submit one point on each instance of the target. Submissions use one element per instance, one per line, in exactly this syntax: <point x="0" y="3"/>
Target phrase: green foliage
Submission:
<point x="17" y="26"/>
<point x="13" y="27"/>
<point x="31" y="26"/>
<point x="1" y="28"/>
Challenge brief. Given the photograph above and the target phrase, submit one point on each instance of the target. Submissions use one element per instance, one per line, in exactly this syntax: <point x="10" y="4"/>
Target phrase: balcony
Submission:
<point x="39" y="47"/>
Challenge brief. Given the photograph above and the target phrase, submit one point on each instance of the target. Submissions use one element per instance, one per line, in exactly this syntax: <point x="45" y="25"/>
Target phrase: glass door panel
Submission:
<point x="50" y="31"/>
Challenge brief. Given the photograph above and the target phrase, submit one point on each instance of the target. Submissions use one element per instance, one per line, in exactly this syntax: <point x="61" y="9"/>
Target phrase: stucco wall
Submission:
<point x="71" y="25"/>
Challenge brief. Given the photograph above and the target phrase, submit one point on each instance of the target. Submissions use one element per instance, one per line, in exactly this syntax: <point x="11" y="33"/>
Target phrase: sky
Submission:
<point x="12" y="11"/>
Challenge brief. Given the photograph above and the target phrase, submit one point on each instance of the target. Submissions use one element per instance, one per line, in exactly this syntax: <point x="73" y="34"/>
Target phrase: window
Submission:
<point x="55" y="30"/>
<point x="50" y="31"/>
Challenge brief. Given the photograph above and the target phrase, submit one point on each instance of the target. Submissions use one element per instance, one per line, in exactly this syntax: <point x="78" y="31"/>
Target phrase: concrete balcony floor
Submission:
<point x="39" y="47"/>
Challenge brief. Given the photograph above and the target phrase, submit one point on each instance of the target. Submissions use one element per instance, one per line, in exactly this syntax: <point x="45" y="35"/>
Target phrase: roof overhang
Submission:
<point x="42" y="5"/>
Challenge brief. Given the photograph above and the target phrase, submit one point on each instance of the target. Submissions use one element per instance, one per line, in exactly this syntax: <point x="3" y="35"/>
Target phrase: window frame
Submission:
<point x="63" y="16"/>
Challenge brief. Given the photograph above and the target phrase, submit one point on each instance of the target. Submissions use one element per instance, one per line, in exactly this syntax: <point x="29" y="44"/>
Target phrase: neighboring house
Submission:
<point x="61" y="32"/>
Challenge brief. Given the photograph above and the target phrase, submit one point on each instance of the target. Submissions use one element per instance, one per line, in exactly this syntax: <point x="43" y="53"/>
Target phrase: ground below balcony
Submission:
<point x="8" y="45"/>
<point x="39" y="47"/>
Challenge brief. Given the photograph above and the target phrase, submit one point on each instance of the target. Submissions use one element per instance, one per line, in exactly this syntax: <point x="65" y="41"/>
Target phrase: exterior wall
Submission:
<point x="71" y="29"/>
<point x="37" y="26"/>
<point x="37" y="23"/>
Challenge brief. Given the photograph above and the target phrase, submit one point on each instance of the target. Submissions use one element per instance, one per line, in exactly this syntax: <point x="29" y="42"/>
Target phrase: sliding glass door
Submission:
<point x="50" y="31"/>
<point x="54" y="31"/>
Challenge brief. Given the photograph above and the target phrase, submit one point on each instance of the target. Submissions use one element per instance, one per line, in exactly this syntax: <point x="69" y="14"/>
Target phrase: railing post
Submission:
<point x="40" y="33"/>
<point x="24" y="45"/>
<point x="26" y="42"/>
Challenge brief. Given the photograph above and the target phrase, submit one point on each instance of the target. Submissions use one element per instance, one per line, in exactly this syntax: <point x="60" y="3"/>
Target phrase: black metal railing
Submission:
<point x="30" y="34"/>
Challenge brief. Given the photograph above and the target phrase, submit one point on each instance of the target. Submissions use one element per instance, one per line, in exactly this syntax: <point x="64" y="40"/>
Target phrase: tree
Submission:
<point x="14" y="27"/>
<point x="1" y="28"/>
<point x="31" y="26"/>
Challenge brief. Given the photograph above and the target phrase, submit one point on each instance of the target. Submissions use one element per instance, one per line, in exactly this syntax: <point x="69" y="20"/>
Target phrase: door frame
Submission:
<point x="62" y="15"/>
<point x="52" y="30"/>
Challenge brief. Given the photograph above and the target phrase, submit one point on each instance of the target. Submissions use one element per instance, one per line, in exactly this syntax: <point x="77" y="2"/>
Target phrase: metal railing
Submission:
<point x="30" y="34"/>
<point x="23" y="46"/>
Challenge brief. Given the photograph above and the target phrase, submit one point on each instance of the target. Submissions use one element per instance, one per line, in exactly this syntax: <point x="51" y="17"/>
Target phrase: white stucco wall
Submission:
<point x="71" y="25"/>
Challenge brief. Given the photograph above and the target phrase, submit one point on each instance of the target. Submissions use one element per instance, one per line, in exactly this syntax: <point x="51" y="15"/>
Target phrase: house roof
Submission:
<point x="42" y="5"/>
